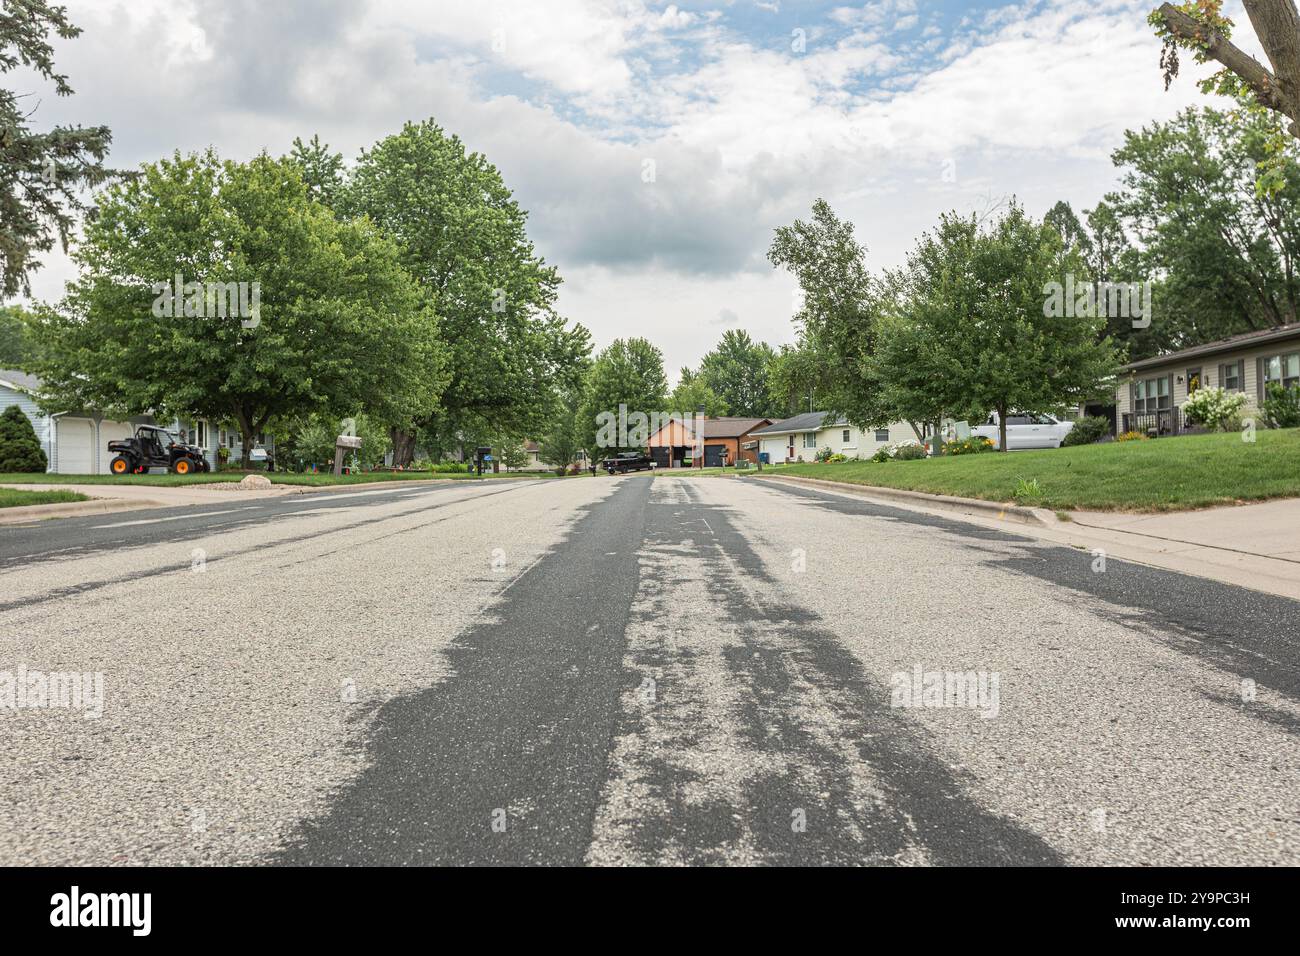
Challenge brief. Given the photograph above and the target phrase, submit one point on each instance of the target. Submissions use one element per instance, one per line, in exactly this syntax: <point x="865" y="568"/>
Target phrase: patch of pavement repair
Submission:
<point x="502" y="763"/>
<point x="238" y="693"/>
<point x="1145" y="716"/>
<point x="748" y="734"/>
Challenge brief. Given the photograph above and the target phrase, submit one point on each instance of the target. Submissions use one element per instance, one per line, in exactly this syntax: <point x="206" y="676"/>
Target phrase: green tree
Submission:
<point x="1201" y="28"/>
<point x="42" y="175"/>
<point x="1225" y="254"/>
<point x="322" y="171"/>
<point x="973" y="331"/>
<point x="837" y="317"/>
<point x="19" y="345"/>
<point x="20" y="449"/>
<point x="463" y="237"/>
<point x="629" y="372"/>
<point x="797" y="381"/>
<point x="736" y="371"/>
<point x="565" y="435"/>
<point x="692" y="394"/>
<point x="340" y="326"/>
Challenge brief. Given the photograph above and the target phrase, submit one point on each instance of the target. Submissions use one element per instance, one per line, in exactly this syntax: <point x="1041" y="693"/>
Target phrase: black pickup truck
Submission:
<point x="626" y="461"/>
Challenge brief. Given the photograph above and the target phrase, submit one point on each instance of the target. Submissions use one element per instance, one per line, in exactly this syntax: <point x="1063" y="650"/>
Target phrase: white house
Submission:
<point x="77" y="444"/>
<point x="801" y="437"/>
<point x="74" y="444"/>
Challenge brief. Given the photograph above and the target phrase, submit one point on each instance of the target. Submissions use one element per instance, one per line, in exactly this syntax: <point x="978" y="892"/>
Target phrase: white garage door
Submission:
<point x="76" y="451"/>
<point x="111" y="431"/>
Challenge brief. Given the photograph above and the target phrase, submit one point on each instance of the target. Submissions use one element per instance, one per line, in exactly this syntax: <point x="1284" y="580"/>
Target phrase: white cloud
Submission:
<point x="744" y="132"/>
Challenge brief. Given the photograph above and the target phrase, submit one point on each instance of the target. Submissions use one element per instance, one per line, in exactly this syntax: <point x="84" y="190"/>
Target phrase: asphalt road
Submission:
<point x="632" y="670"/>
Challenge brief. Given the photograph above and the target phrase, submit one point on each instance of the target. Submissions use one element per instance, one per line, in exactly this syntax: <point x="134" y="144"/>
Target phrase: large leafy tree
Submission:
<point x="837" y="315"/>
<point x="968" y="328"/>
<point x="1199" y="26"/>
<point x="693" y="393"/>
<point x="463" y="237"/>
<point x="628" y="372"/>
<point x="1225" y="252"/>
<point x="42" y="174"/>
<point x="341" y="326"/>
<point x="19" y="345"/>
<point x="797" y="381"/>
<point x="736" y="371"/>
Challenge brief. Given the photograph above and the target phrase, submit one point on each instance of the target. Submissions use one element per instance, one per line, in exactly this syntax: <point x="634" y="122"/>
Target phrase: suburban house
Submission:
<point x="801" y="437"/>
<point x="1151" y="392"/>
<point x="77" y="443"/>
<point x="725" y="440"/>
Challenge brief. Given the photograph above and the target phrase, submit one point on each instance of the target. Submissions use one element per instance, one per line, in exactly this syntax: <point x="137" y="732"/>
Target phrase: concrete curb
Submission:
<point x="920" y="499"/>
<point x="72" y="509"/>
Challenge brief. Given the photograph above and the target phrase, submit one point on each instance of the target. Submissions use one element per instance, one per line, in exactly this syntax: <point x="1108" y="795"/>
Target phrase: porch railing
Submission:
<point x="1164" y="421"/>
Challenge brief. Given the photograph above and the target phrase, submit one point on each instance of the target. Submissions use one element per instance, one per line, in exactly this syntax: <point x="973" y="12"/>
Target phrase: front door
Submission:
<point x="1193" y="381"/>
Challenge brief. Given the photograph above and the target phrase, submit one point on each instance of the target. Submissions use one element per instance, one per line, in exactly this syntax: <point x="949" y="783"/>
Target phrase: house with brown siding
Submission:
<point x="1151" y="392"/>
<point x="722" y="441"/>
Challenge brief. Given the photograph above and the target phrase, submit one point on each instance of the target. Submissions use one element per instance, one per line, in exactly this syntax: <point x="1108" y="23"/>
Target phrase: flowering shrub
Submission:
<point x="905" y="450"/>
<point x="1132" y="436"/>
<point x="1281" y="406"/>
<point x="973" y="445"/>
<point x="1215" y="408"/>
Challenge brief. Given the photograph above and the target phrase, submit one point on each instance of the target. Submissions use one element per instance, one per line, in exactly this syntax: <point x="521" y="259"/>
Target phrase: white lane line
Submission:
<point x="127" y="524"/>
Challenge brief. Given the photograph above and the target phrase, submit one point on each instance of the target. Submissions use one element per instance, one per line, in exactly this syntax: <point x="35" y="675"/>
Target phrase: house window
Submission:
<point x="809" y="439"/>
<point x="846" y="436"/>
<point x="882" y="434"/>
<point x="1282" y="368"/>
<point x="1151" y="394"/>
<point x="1230" y="376"/>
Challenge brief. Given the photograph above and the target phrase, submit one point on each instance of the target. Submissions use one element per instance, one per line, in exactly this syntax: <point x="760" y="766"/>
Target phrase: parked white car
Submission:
<point x="1025" y="430"/>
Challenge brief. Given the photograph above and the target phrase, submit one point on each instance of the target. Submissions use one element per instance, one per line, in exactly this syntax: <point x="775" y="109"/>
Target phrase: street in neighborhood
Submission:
<point x="632" y="670"/>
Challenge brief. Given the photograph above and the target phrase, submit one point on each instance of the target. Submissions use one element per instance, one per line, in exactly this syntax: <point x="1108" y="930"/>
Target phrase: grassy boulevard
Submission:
<point x="1166" y="474"/>
<point x="15" y="498"/>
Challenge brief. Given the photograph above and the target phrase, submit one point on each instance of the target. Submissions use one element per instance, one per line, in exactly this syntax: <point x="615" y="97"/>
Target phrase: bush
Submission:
<point x="974" y="445"/>
<point x="882" y="454"/>
<point x="1132" y="436"/>
<point x="20" y="449"/>
<point x="1215" y="408"/>
<point x="1088" y="430"/>
<point x="1281" y="406"/>
<point x="909" y="452"/>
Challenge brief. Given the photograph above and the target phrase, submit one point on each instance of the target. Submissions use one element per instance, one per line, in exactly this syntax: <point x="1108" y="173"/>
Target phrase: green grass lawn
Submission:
<point x="1163" y="474"/>
<point x="277" y="477"/>
<point x="14" y="498"/>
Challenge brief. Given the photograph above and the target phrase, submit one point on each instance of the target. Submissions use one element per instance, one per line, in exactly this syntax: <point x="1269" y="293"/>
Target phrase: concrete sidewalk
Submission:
<point x="1254" y="546"/>
<point x="111" y="498"/>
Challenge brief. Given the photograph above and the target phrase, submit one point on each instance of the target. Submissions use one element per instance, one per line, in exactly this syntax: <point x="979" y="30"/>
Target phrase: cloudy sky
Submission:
<point x="655" y="145"/>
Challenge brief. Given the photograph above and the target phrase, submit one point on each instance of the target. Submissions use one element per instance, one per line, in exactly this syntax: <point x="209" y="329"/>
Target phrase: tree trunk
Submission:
<point x="1002" y="428"/>
<point x="246" y="434"/>
<point x="403" y="447"/>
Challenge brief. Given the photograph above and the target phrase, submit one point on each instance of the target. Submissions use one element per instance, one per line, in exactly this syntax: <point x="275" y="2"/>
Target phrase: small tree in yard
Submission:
<point x="20" y="449"/>
<point x="979" y="329"/>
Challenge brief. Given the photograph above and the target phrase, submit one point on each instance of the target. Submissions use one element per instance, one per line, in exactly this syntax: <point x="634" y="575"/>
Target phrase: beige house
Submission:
<point x="1151" y="392"/>
<point x="801" y="437"/>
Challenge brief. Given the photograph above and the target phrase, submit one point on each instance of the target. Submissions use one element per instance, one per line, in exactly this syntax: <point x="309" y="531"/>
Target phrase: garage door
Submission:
<point x="76" y="451"/>
<point x="713" y="455"/>
<point x="111" y="431"/>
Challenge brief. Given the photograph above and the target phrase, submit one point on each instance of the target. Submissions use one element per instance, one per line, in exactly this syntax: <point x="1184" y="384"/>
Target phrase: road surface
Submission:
<point x="631" y="670"/>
